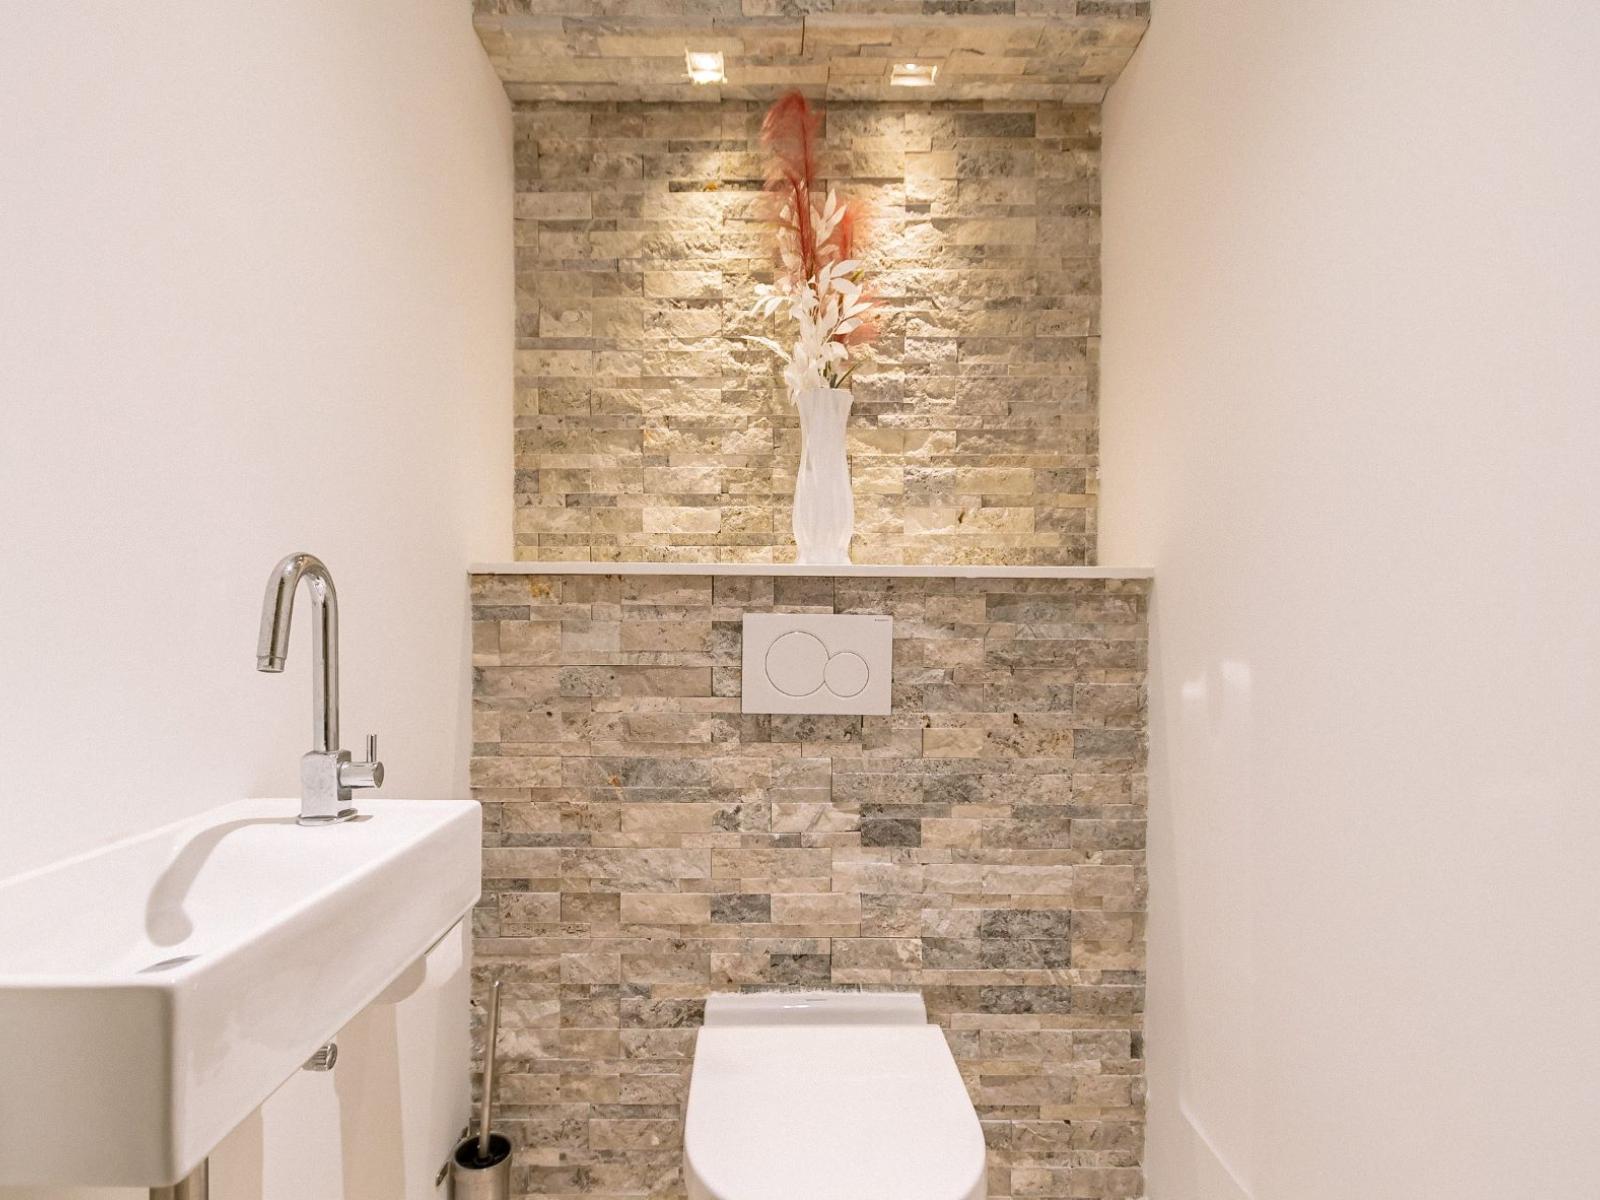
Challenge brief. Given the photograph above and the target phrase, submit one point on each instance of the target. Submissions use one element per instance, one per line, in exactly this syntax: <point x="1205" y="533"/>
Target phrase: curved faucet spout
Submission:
<point x="272" y="648"/>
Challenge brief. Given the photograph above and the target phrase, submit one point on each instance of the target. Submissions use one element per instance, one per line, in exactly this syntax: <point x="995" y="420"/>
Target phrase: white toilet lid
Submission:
<point x="830" y="1112"/>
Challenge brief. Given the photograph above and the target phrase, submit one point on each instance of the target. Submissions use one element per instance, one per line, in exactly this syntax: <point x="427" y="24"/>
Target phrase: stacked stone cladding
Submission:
<point x="647" y="844"/>
<point x="649" y="428"/>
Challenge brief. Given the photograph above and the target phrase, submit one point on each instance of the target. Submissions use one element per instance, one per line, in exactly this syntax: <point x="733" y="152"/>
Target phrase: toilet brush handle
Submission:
<point x="491" y="1035"/>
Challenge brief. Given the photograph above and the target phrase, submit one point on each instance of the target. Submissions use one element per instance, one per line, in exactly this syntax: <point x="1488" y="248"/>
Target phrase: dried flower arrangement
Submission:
<point x="819" y="284"/>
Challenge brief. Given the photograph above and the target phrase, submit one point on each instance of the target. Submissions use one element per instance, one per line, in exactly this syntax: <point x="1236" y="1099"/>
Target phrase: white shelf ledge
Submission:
<point x="855" y="570"/>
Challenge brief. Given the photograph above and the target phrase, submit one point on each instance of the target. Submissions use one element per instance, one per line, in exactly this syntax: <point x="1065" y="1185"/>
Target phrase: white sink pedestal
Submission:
<point x="155" y="992"/>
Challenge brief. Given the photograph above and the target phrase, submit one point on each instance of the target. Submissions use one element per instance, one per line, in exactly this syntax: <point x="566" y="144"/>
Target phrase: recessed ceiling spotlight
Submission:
<point x="913" y="74"/>
<point x="705" y="66"/>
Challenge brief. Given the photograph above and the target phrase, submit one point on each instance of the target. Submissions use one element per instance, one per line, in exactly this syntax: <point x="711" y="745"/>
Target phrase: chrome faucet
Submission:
<point x="327" y="773"/>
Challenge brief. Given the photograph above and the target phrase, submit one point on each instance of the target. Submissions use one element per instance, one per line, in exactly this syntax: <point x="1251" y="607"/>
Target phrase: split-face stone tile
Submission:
<point x="741" y="909"/>
<point x="650" y="845"/>
<point x="649" y="428"/>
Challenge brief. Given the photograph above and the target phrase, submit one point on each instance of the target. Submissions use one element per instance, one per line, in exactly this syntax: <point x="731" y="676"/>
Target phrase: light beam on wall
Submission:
<point x="705" y="66"/>
<point x="913" y="74"/>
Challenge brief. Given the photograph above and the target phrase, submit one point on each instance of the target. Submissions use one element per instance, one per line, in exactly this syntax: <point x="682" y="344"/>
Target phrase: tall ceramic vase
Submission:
<point x="824" y="509"/>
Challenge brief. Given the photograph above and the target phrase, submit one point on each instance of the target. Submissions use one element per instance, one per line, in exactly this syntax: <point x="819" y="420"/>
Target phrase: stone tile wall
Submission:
<point x="648" y="428"/>
<point x="1067" y="51"/>
<point x="647" y="844"/>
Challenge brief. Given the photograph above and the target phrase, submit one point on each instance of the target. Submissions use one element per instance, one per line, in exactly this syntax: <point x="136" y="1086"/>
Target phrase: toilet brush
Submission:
<point x="481" y="1165"/>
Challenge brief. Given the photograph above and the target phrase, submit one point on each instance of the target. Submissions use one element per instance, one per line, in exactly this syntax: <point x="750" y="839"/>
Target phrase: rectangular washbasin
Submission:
<point x="153" y="993"/>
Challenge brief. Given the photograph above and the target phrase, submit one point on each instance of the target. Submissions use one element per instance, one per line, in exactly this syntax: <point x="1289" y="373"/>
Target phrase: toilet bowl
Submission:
<point x="828" y="1096"/>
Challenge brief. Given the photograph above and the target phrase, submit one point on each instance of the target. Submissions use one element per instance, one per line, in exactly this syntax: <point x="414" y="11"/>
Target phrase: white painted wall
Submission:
<point x="1352" y="415"/>
<point x="255" y="296"/>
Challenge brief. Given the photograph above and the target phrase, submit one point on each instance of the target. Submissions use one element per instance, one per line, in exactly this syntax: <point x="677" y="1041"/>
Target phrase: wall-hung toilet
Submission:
<point x="828" y="1096"/>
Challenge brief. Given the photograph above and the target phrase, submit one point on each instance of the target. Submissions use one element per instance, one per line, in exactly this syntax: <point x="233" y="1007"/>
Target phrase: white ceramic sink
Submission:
<point x="155" y="992"/>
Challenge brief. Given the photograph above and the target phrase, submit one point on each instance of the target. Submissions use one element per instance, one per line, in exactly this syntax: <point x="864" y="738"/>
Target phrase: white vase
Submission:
<point x="824" y="509"/>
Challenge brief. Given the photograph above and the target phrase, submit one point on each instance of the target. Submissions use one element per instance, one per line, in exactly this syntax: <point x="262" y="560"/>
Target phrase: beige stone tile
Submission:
<point x="831" y="908"/>
<point x="669" y="908"/>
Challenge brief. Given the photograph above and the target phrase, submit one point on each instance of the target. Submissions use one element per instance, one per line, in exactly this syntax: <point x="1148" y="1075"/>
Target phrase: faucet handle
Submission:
<point x="367" y="774"/>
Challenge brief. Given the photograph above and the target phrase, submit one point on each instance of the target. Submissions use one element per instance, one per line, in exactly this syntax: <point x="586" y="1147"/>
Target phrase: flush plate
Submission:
<point x="817" y="663"/>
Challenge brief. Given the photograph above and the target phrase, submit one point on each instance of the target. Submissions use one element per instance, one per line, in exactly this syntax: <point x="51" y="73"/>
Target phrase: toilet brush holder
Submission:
<point x="480" y="1169"/>
<point x="482" y="1179"/>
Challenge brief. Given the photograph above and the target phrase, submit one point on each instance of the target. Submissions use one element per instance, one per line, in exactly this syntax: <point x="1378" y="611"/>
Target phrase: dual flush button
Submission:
<point x="817" y="663"/>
